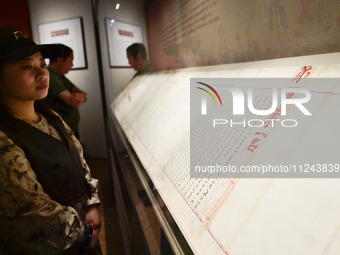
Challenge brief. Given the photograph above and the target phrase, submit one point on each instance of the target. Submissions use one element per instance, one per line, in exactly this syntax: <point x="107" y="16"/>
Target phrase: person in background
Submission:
<point x="136" y="54"/>
<point x="48" y="199"/>
<point x="63" y="96"/>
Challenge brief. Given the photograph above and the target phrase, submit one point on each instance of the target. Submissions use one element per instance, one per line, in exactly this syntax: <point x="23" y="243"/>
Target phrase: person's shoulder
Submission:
<point x="53" y="74"/>
<point x="56" y="84"/>
<point x="5" y="143"/>
<point x="3" y="137"/>
<point x="148" y="68"/>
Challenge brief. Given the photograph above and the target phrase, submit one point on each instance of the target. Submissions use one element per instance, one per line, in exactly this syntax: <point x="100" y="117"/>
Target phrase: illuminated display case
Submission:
<point x="150" y="130"/>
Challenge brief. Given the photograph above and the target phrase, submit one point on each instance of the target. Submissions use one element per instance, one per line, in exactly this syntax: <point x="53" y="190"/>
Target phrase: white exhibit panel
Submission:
<point x="238" y="214"/>
<point x="68" y="32"/>
<point x="120" y="36"/>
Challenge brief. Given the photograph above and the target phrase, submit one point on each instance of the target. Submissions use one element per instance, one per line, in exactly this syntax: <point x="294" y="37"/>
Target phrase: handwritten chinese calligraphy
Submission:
<point x="305" y="72"/>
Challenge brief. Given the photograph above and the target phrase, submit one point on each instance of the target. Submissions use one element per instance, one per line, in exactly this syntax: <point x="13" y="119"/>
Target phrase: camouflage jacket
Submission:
<point x="32" y="223"/>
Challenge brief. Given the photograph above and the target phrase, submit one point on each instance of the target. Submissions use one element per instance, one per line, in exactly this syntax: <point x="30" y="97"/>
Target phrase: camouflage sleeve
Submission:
<point x="28" y="216"/>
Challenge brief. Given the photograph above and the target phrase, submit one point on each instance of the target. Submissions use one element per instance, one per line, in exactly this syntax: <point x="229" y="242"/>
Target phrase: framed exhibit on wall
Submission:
<point x="69" y="32"/>
<point x="120" y="36"/>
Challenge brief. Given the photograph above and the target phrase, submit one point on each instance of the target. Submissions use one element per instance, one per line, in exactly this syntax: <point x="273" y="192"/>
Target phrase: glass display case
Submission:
<point x="146" y="223"/>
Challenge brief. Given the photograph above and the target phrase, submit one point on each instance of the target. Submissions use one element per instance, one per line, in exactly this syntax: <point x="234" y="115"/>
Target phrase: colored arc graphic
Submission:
<point x="218" y="96"/>
<point x="208" y="93"/>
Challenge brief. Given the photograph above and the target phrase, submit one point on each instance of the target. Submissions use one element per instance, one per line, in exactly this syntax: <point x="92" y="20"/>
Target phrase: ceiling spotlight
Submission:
<point x="117" y="6"/>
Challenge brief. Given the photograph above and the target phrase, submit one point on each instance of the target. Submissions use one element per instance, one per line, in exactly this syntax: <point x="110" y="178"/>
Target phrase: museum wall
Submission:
<point x="15" y="14"/>
<point x="130" y="11"/>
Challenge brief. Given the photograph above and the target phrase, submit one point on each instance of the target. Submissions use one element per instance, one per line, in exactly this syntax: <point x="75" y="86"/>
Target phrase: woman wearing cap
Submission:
<point x="48" y="199"/>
